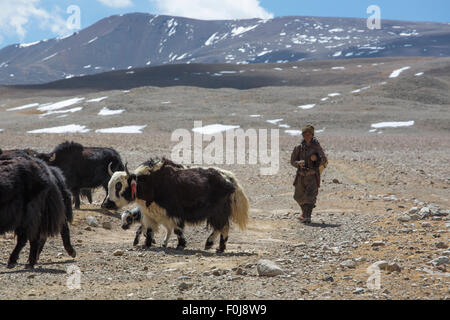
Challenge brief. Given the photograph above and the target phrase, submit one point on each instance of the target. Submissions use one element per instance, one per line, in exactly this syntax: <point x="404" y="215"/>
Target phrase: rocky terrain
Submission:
<point x="382" y="213"/>
<point x="137" y="40"/>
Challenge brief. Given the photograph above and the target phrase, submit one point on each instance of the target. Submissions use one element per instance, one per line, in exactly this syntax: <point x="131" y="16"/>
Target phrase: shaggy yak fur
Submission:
<point x="84" y="167"/>
<point x="35" y="204"/>
<point x="172" y="195"/>
<point x="9" y="154"/>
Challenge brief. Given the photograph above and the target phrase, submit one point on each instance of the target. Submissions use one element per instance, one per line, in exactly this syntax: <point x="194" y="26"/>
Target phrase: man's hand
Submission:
<point x="313" y="157"/>
<point x="301" y="163"/>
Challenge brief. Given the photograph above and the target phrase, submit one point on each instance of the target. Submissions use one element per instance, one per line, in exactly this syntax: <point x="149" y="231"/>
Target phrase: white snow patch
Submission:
<point x="90" y="41"/>
<point x="240" y="30"/>
<point x="27" y="106"/>
<point x="97" y="99"/>
<point x="419" y="74"/>
<point x="396" y="73"/>
<point x="293" y="132"/>
<point x="49" y="57"/>
<point x="107" y="112"/>
<point x="337" y="54"/>
<point x="392" y="124"/>
<point x="125" y="129"/>
<point x="336" y="30"/>
<point x="211" y="39"/>
<point x="255" y="116"/>
<point x="24" y="45"/>
<point x="334" y="94"/>
<point x="284" y="126"/>
<point x="359" y="90"/>
<point x="61" y="104"/>
<point x="275" y="121"/>
<point x="214" y="128"/>
<point x="73" y="110"/>
<point x="338" y="68"/>
<point x="71" y="128"/>
<point x="307" y="106"/>
<point x="264" y="53"/>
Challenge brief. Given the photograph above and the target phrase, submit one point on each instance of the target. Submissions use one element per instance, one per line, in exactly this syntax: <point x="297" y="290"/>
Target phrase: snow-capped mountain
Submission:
<point x="139" y="40"/>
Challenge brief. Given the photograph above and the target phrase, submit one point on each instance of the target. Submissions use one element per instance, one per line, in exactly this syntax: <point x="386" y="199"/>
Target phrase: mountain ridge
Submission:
<point x="138" y="39"/>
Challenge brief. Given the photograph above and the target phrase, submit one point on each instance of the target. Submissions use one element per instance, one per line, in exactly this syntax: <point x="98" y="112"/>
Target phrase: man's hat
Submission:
<point x="307" y="128"/>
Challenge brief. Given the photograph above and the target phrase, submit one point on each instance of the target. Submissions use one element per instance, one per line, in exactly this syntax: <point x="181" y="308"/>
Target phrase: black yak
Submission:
<point x="172" y="195"/>
<point x="84" y="167"/>
<point x="8" y="154"/>
<point x="35" y="204"/>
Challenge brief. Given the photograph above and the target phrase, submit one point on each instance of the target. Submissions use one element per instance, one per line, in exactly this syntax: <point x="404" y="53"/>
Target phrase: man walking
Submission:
<point x="310" y="160"/>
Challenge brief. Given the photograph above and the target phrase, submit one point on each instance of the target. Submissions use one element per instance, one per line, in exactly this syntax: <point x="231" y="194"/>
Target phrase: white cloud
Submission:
<point x="16" y="16"/>
<point x="117" y="3"/>
<point x="212" y="9"/>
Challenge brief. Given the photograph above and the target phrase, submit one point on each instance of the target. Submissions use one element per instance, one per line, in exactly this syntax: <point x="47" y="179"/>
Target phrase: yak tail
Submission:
<point x="240" y="206"/>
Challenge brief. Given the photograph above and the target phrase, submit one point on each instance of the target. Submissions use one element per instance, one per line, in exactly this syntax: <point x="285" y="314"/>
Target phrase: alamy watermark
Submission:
<point x="374" y="21"/>
<point x="228" y="147"/>
<point x="374" y="280"/>
<point x="74" y="20"/>
<point x="74" y="279"/>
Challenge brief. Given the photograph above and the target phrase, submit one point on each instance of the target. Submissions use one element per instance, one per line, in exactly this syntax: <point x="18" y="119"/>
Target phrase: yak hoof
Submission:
<point x="209" y="245"/>
<point x="11" y="265"/>
<point x="72" y="253"/>
<point x="29" y="266"/>
<point x="144" y="247"/>
<point x="180" y="248"/>
<point x="220" y="250"/>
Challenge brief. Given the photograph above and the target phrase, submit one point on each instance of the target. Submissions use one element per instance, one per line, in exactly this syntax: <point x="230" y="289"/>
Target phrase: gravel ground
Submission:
<point x="373" y="180"/>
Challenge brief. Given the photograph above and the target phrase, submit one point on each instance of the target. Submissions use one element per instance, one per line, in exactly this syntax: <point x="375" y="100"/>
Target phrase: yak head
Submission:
<point x="131" y="216"/>
<point x="122" y="189"/>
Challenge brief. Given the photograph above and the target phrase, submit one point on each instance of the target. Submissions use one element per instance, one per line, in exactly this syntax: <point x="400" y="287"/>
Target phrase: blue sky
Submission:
<point x="25" y="21"/>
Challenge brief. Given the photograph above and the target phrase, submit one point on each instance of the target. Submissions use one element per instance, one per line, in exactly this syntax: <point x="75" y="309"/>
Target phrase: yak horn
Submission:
<point x="110" y="170"/>
<point x="126" y="169"/>
<point x="52" y="158"/>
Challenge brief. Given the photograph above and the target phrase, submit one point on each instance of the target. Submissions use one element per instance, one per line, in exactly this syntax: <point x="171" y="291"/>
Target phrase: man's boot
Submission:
<point x="304" y="212"/>
<point x="309" y="210"/>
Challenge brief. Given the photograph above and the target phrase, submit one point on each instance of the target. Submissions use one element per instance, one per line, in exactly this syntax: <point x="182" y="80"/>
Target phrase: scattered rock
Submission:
<point x="440" y="261"/>
<point x="413" y="210"/>
<point x="382" y="264"/>
<point x="107" y="225"/>
<point x="426" y="224"/>
<point x="118" y="253"/>
<point x="268" y="268"/>
<point x="328" y="279"/>
<point x="217" y="273"/>
<point x="359" y="291"/>
<point x="348" y="264"/>
<point x="336" y="181"/>
<point x="392" y="267"/>
<point x="378" y="244"/>
<point x="241" y="272"/>
<point x="185" y="286"/>
<point x="404" y="218"/>
<point x="91" y="221"/>
<point x="424" y="213"/>
<point x="441" y="245"/>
